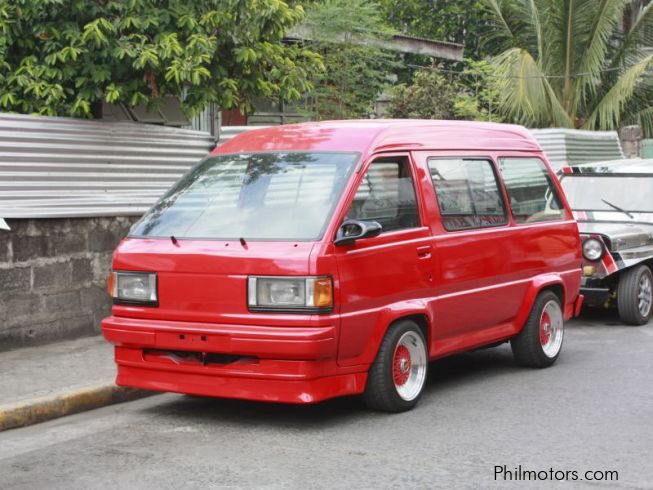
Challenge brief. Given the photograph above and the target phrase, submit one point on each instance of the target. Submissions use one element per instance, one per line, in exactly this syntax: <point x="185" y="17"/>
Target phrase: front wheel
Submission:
<point x="397" y="377"/>
<point x="635" y="295"/>
<point x="539" y="343"/>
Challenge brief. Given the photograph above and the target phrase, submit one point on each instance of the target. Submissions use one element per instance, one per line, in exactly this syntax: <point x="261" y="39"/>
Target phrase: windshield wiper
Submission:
<point x="613" y="206"/>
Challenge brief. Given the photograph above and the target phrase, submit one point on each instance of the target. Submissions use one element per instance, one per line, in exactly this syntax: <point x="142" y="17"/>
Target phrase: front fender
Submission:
<point x="367" y="343"/>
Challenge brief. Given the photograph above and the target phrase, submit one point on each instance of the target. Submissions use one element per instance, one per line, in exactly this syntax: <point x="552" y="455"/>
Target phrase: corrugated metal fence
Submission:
<point x="573" y="146"/>
<point x="61" y="167"/>
<point x="208" y="120"/>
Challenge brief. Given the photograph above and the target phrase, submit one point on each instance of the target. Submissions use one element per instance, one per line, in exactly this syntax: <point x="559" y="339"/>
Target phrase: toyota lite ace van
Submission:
<point x="304" y="262"/>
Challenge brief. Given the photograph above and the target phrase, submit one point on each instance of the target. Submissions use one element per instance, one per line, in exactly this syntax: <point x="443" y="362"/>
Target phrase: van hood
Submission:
<point x="622" y="235"/>
<point x="206" y="280"/>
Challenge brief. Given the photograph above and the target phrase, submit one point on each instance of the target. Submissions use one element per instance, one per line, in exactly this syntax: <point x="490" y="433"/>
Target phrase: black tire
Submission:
<point x="628" y="291"/>
<point x="380" y="390"/>
<point x="527" y="345"/>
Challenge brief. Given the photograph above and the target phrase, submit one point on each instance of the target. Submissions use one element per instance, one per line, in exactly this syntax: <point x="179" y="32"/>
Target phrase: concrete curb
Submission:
<point x="37" y="410"/>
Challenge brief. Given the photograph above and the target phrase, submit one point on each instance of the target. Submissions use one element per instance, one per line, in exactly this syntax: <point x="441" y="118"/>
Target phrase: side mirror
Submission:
<point x="351" y="230"/>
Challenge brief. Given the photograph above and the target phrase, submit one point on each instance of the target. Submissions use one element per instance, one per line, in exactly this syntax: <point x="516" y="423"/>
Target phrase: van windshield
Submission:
<point x="255" y="196"/>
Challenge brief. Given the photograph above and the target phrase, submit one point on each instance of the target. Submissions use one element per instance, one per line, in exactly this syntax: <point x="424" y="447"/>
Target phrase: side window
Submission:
<point x="387" y="195"/>
<point x="531" y="192"/>
<point x="468" y="193"/>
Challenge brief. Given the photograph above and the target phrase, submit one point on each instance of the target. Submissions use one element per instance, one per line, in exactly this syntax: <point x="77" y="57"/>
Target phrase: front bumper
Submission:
<point x="595" y="290"/>
<point x="595" y="296"/>
<point x="290" y="365"/>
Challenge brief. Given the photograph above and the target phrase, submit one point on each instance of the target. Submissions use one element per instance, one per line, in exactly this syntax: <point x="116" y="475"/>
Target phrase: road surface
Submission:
<point x="480" y="417"/>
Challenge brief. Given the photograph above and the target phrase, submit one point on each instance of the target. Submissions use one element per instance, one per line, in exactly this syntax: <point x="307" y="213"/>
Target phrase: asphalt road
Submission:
<point x="592" y="411"/>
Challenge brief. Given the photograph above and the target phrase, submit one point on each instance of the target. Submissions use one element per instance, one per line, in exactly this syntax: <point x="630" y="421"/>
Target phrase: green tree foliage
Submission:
<point x="430" y="96"/>
<point x="63" y="57"/>
<point x="479" y="93"/>
<point x="355" y="73"/>
<point x="471" y="94"/>
<point x="567" y="63"/>
<point x="460" y="21"/>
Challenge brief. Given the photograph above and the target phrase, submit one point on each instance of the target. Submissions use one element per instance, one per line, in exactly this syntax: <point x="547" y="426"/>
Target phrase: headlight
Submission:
<point x="593" y="249"/>
<point x="133" y="287"/>
<point x="301" y="294"/>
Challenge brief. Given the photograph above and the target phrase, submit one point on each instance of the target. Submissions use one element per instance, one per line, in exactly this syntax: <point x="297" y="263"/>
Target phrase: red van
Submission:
<point x="304" y="262"/>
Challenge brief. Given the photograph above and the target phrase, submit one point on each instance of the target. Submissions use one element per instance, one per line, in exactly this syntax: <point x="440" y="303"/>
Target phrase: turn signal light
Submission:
<point x="589" y="270"/>
<point x="111" y="284"/>
<point x="323" y="292"/>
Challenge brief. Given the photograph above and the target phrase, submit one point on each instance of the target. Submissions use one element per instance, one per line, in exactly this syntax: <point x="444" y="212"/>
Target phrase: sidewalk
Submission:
<point x="41" y="383"/>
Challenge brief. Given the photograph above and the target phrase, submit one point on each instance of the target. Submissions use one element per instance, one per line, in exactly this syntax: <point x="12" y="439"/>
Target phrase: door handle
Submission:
<point x="424" y="252"/>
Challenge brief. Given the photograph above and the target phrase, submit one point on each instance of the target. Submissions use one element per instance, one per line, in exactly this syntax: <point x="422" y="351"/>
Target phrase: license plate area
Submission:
<point x="193" y="342"/>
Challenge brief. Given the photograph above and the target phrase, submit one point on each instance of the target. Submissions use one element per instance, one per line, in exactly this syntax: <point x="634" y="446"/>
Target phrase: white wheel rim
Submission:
<point x="551" y="329"/>
<point x="409" y="366"/>
<point x="644" y="296"/>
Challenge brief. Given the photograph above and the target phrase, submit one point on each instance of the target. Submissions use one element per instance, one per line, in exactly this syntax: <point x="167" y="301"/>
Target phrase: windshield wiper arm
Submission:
<point x="613" y="206"/>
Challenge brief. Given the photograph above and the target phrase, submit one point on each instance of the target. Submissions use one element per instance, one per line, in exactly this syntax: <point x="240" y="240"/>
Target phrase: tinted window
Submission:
<point x="468" y="193"/>
<point x="531" y="193"/>
<point x="256" y="196"/>
<point x="387" y="195"/>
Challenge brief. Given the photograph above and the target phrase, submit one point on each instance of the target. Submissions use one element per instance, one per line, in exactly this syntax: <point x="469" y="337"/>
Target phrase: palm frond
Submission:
<point x="574" y="14"/>
<point x="495" y="9"/>
<point x="532" y="15"/>
<point x="554" y="47"/>
<point x="640" y="34"/>
<point x="606" y="17"/>
<point x="559" y="66"/>
<point x="608" y="112"/>
<point x="644" y="119"/>
<point x="638" y="110"/>
<point x="525" y="91"/>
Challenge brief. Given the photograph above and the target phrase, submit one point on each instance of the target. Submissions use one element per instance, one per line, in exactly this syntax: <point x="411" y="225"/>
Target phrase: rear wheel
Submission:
<point x="396" y="379"/>
<point x="635" y="295"/>
<point x="539" y="343"/>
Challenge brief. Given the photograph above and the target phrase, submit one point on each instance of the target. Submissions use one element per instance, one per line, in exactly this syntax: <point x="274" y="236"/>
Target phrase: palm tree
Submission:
<point x="568" y="63"/>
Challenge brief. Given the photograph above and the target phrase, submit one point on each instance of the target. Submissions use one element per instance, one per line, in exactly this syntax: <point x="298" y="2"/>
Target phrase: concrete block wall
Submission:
<point x="53" y="277"/>
<point x="631" y="139"/>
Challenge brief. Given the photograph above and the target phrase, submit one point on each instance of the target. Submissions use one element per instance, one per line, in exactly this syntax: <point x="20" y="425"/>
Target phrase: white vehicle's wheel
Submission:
<point x="635" y="295"/>
<point x="540" y="340"/>
<point x="396" y="379"/>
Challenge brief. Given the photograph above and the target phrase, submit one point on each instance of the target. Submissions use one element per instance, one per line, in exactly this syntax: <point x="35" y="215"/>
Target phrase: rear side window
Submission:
<point x="531" y="192"/>
<point x="468" y="193"/>
<point x="387" y="195"/>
